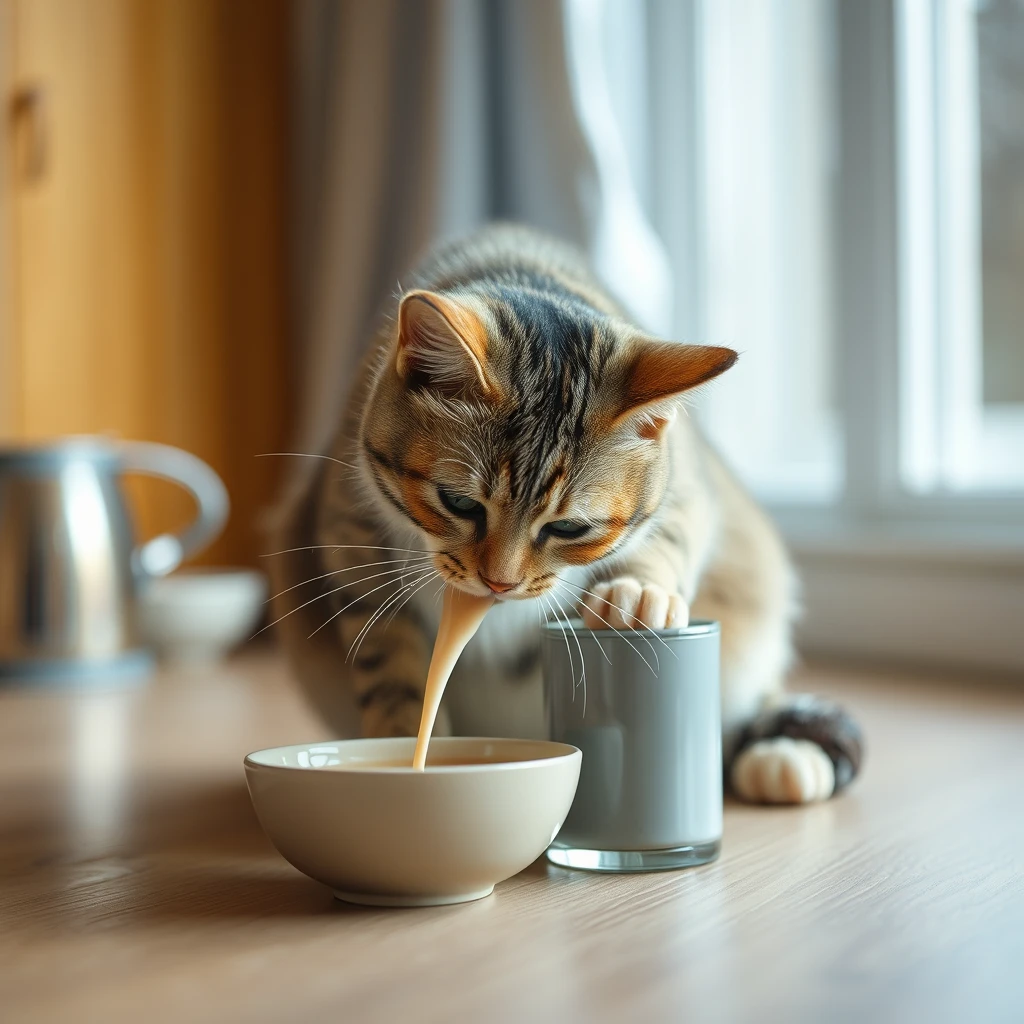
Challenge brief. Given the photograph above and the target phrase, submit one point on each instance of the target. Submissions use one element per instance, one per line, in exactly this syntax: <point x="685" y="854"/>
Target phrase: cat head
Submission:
<point x="519" y="434"/>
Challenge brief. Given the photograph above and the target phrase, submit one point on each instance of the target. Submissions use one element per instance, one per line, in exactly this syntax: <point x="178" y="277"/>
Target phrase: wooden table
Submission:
<point x="135" y="884"/>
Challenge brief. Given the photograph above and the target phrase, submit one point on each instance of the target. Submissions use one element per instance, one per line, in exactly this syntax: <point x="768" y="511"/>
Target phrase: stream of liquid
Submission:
<point x="460" y="619"/>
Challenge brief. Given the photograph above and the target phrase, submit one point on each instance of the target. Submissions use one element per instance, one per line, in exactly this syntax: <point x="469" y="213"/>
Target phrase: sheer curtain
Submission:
<point x="420" y="120"/>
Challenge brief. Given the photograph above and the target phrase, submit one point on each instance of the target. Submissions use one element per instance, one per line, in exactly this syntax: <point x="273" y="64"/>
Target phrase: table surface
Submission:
<point x="135" y="883"/>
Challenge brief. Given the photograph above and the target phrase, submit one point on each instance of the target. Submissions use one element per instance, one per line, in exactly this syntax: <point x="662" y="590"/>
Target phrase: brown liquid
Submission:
<point x="439" y="762"/>
<point x="460" y="619"/>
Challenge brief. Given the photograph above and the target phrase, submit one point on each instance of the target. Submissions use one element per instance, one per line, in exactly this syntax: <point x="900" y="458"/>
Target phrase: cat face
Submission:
<point x="519" y="433"/>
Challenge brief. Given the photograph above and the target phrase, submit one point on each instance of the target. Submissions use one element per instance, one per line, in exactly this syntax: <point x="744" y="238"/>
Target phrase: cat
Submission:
<point x="513" y="433"/>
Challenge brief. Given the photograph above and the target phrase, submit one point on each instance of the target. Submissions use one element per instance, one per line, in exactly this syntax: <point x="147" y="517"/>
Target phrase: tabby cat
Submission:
<point x="512" y="432"/>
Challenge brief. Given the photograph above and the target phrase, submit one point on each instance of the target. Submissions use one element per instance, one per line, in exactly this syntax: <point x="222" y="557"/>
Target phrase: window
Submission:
<point x="840" y="188"/>
<point x="747" y="159"/>
<point x="961" y="197"/>
<point x="999" y="28"/>
<point x="768" y="115"/>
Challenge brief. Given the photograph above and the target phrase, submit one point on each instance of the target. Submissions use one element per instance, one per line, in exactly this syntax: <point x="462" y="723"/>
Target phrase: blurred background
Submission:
<point x="204" y="202"/>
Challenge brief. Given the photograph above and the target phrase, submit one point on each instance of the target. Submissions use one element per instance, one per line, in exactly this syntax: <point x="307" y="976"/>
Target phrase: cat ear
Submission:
<point x="660" y="371"/>
<point x="444" y="340"/>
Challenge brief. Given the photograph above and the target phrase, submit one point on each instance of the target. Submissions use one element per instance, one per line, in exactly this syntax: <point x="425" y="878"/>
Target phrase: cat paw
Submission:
<point x="626" y="603"/>
<point x="783" y="771"/>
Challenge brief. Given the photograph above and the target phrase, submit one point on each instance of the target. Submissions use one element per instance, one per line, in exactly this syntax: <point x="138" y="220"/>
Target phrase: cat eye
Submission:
<point x="460" y="504"/>
<point x="566" y="528"/>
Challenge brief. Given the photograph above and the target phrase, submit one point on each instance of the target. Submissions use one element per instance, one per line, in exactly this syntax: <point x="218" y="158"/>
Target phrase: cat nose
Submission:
<point x="498" y="586"/>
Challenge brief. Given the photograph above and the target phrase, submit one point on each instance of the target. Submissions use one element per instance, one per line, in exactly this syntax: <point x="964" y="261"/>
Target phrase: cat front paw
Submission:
<point x="783" y="771"/>
<point x="626" y="603"/>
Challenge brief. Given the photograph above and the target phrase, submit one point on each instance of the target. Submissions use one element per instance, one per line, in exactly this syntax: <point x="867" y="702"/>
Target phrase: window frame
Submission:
<point x="969" y="448"/>
<point x="885" y="322"/>
<point x="888" y="572"/>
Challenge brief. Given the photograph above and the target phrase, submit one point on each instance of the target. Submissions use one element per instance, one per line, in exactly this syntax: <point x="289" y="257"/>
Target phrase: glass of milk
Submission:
<point x="643" y="706"/>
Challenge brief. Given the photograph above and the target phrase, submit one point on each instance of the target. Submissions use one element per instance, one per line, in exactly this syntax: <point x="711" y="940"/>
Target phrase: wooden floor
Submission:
<point x="135" y="884"/>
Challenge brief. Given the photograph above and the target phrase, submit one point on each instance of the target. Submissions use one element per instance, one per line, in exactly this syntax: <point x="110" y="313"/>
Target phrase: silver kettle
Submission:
<point x="69" y="566"/>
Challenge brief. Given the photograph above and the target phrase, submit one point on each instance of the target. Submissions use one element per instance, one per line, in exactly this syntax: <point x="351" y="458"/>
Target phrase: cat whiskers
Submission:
<point x="412" y="594"/>
<point x="353" y="650"/>
<point x="406" y="590"/>
<point x="340" y="547"/>
<point x="362" y="597"/>
<point x="579" y="647"/>
<point x="328" y="593"/>
<point x="571" y="601"/>
<point x="621" y="635"/>
<point x="307" y="455"/>
<point x="565" y="636"/>
<point x="351" y="568"/>
<point x="642" y="629"/>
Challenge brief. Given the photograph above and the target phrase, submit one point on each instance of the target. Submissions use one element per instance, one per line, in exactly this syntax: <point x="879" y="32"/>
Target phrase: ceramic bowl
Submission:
<point x="392" y="836"/>
<point x="201" y="614"/>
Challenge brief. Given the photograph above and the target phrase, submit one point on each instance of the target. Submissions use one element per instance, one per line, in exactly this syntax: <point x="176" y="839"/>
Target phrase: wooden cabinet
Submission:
<point x="143" y="220"/>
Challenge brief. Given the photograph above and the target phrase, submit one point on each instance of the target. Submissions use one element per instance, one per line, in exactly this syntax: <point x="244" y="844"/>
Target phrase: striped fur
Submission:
<point x="506" y="398"/>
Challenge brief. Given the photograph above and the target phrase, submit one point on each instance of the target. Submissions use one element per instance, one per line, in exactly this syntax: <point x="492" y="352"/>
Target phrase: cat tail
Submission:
<point x="803" y="749"/>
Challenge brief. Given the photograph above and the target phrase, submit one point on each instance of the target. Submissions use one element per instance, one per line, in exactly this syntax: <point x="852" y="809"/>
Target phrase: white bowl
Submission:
<point x="200" y="614"/>
<point x="392" y="836"/>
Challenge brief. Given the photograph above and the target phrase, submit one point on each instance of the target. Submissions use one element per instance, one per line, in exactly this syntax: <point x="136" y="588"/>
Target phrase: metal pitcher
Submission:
<point x="69" y="565"/>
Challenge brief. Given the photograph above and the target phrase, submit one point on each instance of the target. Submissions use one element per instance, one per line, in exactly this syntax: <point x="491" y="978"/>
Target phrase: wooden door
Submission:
<point x="145" y="230"/>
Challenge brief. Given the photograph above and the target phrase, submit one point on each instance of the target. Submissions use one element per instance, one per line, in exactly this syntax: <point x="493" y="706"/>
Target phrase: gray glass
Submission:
<point x="645" y="712"/>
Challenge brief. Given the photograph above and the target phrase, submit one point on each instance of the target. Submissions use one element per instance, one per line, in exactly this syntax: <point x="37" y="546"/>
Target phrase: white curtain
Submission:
<point x="424" y="118"/>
